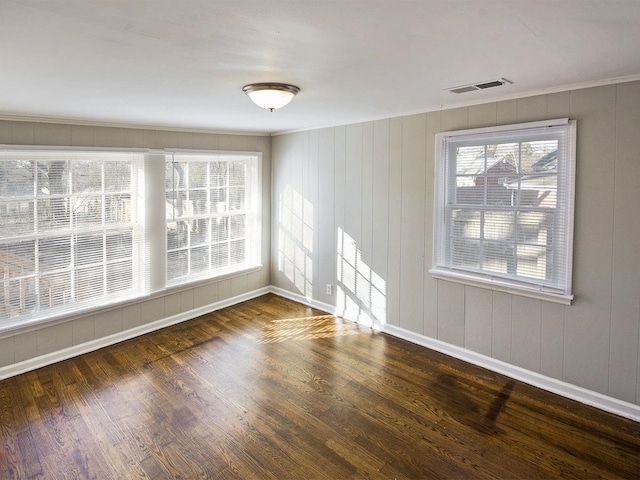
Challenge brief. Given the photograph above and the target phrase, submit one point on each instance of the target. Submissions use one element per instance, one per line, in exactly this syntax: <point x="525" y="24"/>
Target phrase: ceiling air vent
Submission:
<point x="479" y="86"/>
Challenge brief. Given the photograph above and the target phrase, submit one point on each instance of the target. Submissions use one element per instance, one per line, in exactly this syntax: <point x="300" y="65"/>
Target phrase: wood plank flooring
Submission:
<point x="271" y="389"/>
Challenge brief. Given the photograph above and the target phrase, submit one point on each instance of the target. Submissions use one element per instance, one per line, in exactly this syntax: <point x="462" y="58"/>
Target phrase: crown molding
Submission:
<point x="91" y="123"/>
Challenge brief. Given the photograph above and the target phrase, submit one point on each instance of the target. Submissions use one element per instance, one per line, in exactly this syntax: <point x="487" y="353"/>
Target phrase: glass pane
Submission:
<point x="53" y="178"/>
<point x="219" y="229"/>
<point x="199" y="203"/>
<point x="498" y="257"/>
<point x="238" y="226"/>
<point x="119" y="245"/>
<point x="532" y="261"/>
<point x="468" y="192"/>
<point x="199" y="231"/>
<point x="220" y="255"/>
<point x="171" y="205"/>
<point x="117" y="209"/>
<point x="198" y="174"/>
<point x="117" y="175"/>
<point x="175" y="175"/>
<point x="55" y="289"/>
<point x="470" y="160"/>
<point x="16" y="178"/>
<point x="237" y="173"/>
<point x="86" y="176"/>
<point x="90" y="282"/>
<point x="466" y="224"/>
<point x="539" y="190"/>
<point x="500" y="192"/>
<point x="17" y="259"/>
<point x="218" y="172"/>
<point x="502" y="157"/>
<point x="89" y="248"/>
<point x="236" y="198"/>
<point x="87" y="210"/>
<point x="466" y="253"/>
<point x="237" y="251"/>
<point x="16" y="218"/>
<point x="17" y="296"/>
<point x="54" y="253"/>
<point x="177" y="205"/>
<point x="177" y="264"/>
<point x="119" y="276"/>
<point x="539" y="157"/>
<point x="199" y="259"/>
<point x="177" y="235"/>
<point x="535" y="228"/>
<point x="219" y="202"/>
<point x="53" y="214"/>
<point x="499" y="225"/>
<point x="502" y="170"/>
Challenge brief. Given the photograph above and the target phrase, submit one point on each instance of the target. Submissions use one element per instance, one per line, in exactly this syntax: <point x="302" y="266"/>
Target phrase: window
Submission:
<point x="75" y="226"/>
<point x="68" y="231"/>
<point x="504" y="208"/>
<point x="212" y="214"/>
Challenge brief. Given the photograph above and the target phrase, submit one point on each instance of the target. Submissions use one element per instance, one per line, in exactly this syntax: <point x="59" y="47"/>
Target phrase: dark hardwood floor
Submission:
<point x="272" y="389"/>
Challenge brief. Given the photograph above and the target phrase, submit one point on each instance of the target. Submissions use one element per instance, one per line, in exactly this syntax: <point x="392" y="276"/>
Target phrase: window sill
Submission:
<point x="195" y="281"/>
<point x="50" y="319"/>
<point x="501" y="286"/>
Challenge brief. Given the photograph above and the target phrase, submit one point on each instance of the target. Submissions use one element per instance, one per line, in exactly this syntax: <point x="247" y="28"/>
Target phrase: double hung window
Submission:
<point x="212" y="214"/>
<point x="68" y="230"/>
<point x="504" y="208"/>
<point x="75" y="225"/>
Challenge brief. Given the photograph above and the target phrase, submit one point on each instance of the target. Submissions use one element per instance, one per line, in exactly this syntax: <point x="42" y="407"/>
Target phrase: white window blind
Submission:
<point x="85" y="228"/>
<point x="504" y="207"/>
<point x="68" y="232"/>
<point x="213" y="214"/>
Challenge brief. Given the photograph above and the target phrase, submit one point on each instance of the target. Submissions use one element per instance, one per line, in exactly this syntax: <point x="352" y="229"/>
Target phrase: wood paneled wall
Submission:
<point x="370" y="187"/>
<point x="15" y="348"/>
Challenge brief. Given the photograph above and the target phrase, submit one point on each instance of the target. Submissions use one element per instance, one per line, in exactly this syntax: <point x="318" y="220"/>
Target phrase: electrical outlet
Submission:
<point x="329" y="289"/>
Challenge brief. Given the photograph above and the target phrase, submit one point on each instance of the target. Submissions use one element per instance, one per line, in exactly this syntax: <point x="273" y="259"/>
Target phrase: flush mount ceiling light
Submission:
<point x="270" y="95"/>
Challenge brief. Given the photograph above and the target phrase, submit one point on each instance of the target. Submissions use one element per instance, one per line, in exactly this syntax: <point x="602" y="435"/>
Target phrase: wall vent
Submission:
<point x="479" y="86"/>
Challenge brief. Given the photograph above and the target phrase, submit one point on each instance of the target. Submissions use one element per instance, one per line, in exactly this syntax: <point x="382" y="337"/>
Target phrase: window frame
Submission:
<point x="445" y="182"/>
<point x="73" y="156"/>
<point x="147" y="189"/>
<point x="253" y="211"/>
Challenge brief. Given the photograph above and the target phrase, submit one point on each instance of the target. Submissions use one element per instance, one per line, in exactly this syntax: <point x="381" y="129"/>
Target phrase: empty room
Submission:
<point x="319" y="239"/>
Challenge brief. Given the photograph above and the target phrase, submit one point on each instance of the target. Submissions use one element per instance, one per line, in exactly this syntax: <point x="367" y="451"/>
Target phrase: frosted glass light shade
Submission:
<point x="271" y="95"/>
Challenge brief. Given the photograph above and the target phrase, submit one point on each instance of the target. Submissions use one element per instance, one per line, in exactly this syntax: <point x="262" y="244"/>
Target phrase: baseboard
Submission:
<point x="588" y="397"/>
<point x="74" y="351"/>
<point x="564" y="389"/>
<point x="325" y="307"/>
<point x="582" y="395"/>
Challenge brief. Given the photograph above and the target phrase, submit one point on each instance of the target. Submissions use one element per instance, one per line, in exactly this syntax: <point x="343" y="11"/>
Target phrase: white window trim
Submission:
<point x="255" y="260"/>
<point x="486" y="280"/>
<point x="155" y="225"/>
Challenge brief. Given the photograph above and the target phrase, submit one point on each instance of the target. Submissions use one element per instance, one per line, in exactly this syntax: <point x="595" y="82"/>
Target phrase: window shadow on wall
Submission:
<point x="361" y="292"/>
<point x="295" y="240"/>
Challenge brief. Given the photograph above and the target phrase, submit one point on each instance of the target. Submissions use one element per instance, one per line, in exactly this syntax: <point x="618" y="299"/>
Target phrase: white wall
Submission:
<point x="364" y="192"/>
<point x="22" y="347"/>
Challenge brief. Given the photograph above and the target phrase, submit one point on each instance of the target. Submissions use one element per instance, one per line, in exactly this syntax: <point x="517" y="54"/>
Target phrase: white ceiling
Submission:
<point x="183" y="63"/>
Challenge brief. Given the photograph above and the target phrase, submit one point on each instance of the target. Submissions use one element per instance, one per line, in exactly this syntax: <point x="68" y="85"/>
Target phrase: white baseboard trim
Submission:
<point x="564" y="389"/>
<point x="582" y="395"/>
<point x="588" y="397"/>
<point x="325" y="307"/>
<point x="74" y="351"/>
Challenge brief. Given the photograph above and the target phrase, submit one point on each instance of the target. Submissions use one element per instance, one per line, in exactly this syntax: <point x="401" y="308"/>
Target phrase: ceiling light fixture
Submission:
<point x="270" y="95"/>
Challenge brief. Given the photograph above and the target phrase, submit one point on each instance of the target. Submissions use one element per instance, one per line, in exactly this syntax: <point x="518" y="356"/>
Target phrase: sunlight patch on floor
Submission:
<point x="305" y="328"/>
